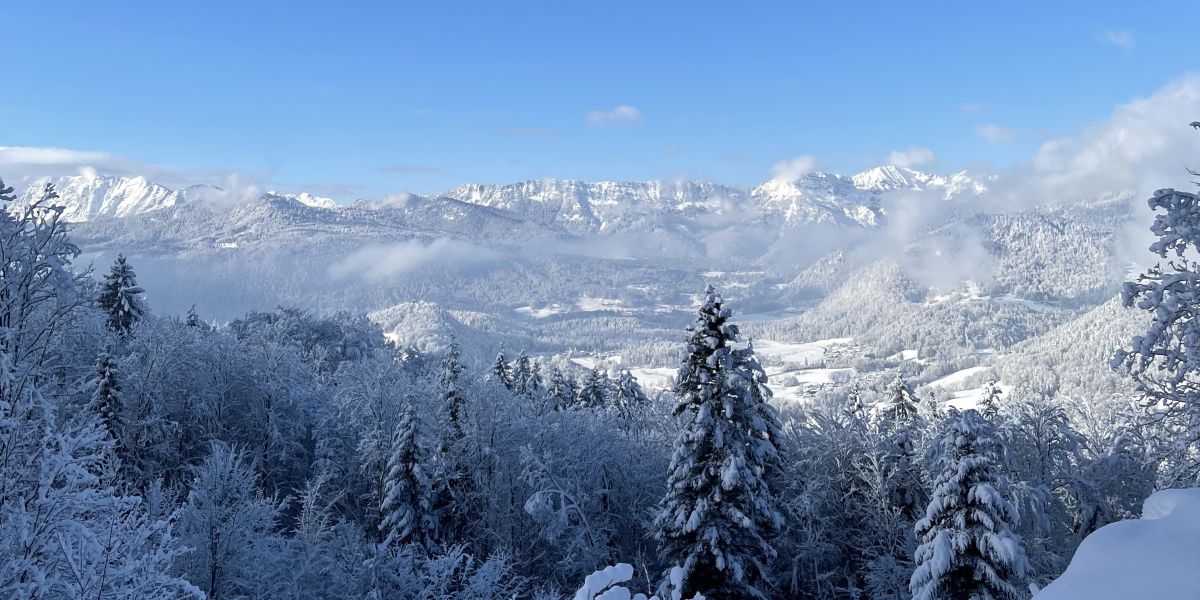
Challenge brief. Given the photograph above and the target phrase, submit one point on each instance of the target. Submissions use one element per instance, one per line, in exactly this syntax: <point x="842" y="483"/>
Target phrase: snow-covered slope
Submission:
<point x="308" y="199"/>
<point x="1157" y="556"/>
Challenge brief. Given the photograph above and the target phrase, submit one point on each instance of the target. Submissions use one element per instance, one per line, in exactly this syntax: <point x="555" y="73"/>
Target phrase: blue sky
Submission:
<point x="364" y="98"/>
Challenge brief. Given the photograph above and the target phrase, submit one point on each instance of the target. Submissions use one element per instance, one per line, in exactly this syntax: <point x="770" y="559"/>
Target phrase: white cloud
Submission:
<point x="973" y="107"/>
<point x="911" y="157"/>
<point x="380" y="263"/>
<point x="618" y="115"/>
<point x="1120" y="39"/>
<point x="1145" y="145"/>
<point x="794" y="168"/>
<point x="994" y="134"/>
<point x="33" y="156"/>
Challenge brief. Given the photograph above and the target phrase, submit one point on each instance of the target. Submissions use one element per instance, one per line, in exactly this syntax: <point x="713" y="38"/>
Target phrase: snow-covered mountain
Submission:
<point x="577" y="207"/>
<point x="603" y="206"/>
<point x="813" y="198"/>
<point x="87" y="198"/>
<point x="308" y="199"/>
<point x="889" y="177"/>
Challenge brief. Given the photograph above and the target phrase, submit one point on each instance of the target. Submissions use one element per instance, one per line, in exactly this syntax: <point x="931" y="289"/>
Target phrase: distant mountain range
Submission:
<point x="571" y="206"/>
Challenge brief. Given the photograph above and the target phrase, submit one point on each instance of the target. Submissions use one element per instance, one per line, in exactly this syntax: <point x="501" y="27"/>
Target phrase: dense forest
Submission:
<point x="286" y="454"/>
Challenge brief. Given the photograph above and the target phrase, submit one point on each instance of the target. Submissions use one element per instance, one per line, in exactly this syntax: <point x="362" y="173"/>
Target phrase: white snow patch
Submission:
<point x="655" y="378"/>
<point x="590" y="304"/>
<point x="542" y="312"/>
<point x="956" y="378"/>
<point x="1157" y="556"/>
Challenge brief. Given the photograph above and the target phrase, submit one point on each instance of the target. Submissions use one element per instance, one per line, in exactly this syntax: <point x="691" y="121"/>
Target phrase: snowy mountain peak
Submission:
<point x="89" y="197"/>
<point x="890" y="177"/>
<point x="308" y="199"/>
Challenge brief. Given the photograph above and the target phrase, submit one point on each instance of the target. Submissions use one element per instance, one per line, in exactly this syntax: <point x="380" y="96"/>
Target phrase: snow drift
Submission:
<point x="1157" y="556"/>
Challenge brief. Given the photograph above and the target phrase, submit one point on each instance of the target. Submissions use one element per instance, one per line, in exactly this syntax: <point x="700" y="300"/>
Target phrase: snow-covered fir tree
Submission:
<point x="501" y="372"/>
<point x="106" y="401"/>
<point x="594" y="391"/>
<point x="521" y="372"/>
<point x="854" y="401"/>
<point x="405" y="513"/>
<point x="901" y="405"/>
<point x="193" y="319"/>
<point x="452" y="398"/>
<point x="626" y="396"/>
<point x="450" y="479"/>
<point x="561" y="389"/>
<point x="968" y="549"/>
<point x="121" y="297"/>
<point x="535" y="387"/>
<point x="719" y="514"/>
<point x="899" y="423"/>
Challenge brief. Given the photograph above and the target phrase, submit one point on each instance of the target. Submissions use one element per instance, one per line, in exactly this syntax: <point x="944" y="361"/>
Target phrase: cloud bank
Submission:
<point x="380" y="263"/>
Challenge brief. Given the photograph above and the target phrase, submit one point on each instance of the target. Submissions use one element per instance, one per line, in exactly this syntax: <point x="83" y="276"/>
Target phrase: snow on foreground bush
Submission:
<point x="1157" y="556"/>
<point x="602" y="585"/>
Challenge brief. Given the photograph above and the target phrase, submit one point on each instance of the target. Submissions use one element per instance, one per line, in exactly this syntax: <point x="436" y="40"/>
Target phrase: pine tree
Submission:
<point x="900" y="420"/>
<point x="626" y="395"/>
<point x="594" y="391"/>
<point x="501" y="371"/>
<point x="719" y="514"/>
<point x="452" y="399"/>
<point x="901" y="404"/>
<point x="193" y="320"/>
<point x="968" y="549"/>
<point x="451" y="493"/>
<point x="106" y="401"/>
<point x="406" y="516"/>
<point x="854" y="401"/>
<point x="521" y="372"/>
<point x="989" y="404"/>
<point x="561" y="389"/>
<point x="120" y="297"/>
<point x="534" y="385"/>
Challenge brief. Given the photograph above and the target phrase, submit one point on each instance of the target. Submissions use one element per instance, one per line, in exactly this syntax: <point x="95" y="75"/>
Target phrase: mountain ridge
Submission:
<point x="574" y="206"/>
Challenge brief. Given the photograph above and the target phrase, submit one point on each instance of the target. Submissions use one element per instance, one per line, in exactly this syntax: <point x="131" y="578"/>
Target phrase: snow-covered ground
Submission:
<point x="1156" y="557"/>
<point x="541" y="312"/>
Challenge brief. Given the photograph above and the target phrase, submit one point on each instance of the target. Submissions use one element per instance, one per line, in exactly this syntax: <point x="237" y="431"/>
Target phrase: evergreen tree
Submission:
<point x="501" y="371"/>
<point x="193" y="320"/>
<point x="901" y="405"/>
<point x="854" y="401"/>
<point x="534" y="385"/>
<point x="450" y="497"/>
<point x="626" y="395"/>
<point x="900" y="422"/>
<point x="106" y="402"/>
<point x="968" y="549"/>
<point x="406" y="516"/>
<point x="561" y="389"/>
<point x="719" y="514"/>
<point x="594" y="391"/>
<point x="120" y="297"/>
<point x="521" y="373"/>
<point x="452" y="398"/>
